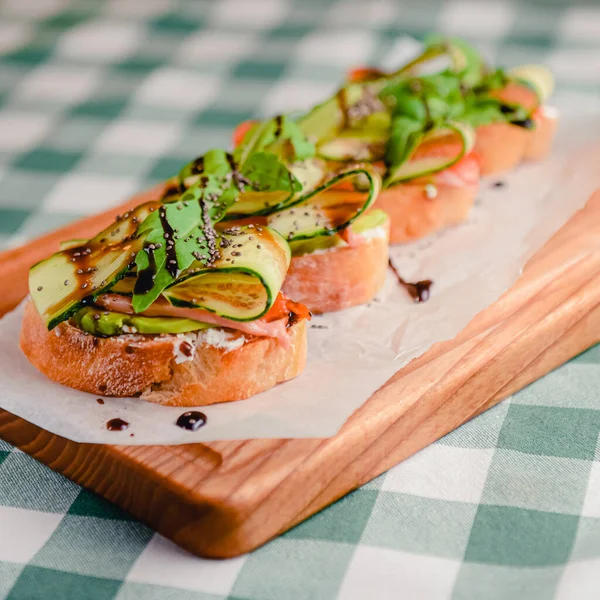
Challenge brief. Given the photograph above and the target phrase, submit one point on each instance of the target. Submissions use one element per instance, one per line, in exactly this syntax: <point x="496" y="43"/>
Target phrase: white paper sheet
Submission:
<point x="357" y="350"/>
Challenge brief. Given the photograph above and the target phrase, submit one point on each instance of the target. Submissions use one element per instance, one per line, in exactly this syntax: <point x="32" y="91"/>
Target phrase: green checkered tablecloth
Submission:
<point x="99" y="99"/>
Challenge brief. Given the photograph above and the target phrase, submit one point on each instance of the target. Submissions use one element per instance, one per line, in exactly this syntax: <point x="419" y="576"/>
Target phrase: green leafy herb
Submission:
<point x="180" y="233"/>
<point x="265" y="172"/>
<point x="280" y="136"/>
<point x="406" y="135"/>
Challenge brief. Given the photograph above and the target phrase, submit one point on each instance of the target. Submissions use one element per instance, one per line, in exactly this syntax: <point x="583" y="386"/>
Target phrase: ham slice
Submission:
<point x="161" y="308"/>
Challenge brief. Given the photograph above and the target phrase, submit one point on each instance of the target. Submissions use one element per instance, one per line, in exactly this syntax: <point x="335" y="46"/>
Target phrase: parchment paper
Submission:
<point x="356" y="350"/>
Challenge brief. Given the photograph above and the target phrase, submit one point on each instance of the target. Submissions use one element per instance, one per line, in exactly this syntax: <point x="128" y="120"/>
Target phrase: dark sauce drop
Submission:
<point x="525" y="123"/>
<point x="99" y="401"/>
<point x="498" y="184"/>
<point x="278" y="125"/>
<point x="419" y="291"/>
<point x="198" y="165"/>
<point x="293" y="318"/>
<point x="191" y="420"/>
<point x="117" y="425"/>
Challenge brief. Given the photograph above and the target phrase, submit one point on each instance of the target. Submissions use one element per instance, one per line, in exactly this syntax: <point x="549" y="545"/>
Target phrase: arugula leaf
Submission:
<point x="280" y="136"/>
<point x="405" y="137"/>
<point x="267" y="173"/>
<point x="467" y="65"/>
<point x="181" y="232"/>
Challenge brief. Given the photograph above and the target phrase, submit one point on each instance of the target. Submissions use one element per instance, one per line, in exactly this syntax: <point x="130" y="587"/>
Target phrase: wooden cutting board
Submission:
<point x="223" y="499"/>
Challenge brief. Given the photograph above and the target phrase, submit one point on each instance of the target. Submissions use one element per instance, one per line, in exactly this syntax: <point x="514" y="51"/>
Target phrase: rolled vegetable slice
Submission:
<point x="330" y="209"/>
<point x="61" y="284"/>
<point x="350" y="105"/>
<point x="537" y="77"/>
<point x="263" y="182"/>
<point x="309" y="174"/>
<point x="244" y="282"/>
<point x="439" y="149"/>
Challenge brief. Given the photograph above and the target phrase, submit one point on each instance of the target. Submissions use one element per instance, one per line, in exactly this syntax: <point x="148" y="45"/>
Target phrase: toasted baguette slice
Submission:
<point x="541" y="138"/>
<point x="501" y="147"/>
<point x="151" y="366"/>
<point x="414" y="215"/>
<point x="340" y="277"/>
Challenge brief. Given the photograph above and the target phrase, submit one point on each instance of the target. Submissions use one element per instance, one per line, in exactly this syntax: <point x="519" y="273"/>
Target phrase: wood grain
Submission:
<point x="225" y="498"/>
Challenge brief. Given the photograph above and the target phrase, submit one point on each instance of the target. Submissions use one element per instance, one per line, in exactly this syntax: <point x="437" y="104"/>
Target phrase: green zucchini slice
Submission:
<point x="367" y="222"/>
<point x="537" y="77"/>
<point x="459" y="139"/>
<point x="244" y="282"/>
<point x="329" y="210"/>
<point x="64" y="282"/>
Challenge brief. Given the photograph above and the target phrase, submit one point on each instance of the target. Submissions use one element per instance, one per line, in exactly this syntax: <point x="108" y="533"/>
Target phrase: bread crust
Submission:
<point x="501" y="147"/>
<point x="413" y="215"/>
<point x="145" y="366"/>
<point x="339" y="278"/>
<point x="541" y="138"/>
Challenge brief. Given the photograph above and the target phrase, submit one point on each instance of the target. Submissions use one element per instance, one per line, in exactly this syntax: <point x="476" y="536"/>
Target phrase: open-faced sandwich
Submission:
<point x="432" y="128"/>
<point x="407" y="128"/>
<point x="339" y="245"/>
<point x="169" y="304"/>
<point x="506" y="106"/>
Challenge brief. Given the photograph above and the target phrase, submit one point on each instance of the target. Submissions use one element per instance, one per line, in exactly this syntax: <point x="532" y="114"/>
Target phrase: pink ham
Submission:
<point x="161" y="308"/>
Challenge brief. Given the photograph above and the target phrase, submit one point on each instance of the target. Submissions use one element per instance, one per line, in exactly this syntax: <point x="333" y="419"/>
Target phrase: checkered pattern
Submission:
<point x="98" y="99"/>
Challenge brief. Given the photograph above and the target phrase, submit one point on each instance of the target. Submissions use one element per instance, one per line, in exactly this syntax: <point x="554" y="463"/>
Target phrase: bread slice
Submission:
<point x="173" y="370"/>
<point x="414" y="215"/>
<point x="340" y="277"/>
<point x="501" y="147"/>
<point x="541" y="138"/>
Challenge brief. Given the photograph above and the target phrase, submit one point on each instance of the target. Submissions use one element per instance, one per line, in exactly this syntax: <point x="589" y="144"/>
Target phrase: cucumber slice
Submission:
<point x="538" y="77"/>
<point x="320" y="243"/>
<point x="71" y="244"/>
<point x="310" y="173"/>
<point x="350" y="146"/>
<point x="368" y="221"/>
<point x="418" y="166"/>
<point x="103" y="323"/>
<point x="329" y="210"/>
<point x="124" y="286"/>
<point x="326" y="120"/>
<point x="63" y="283"/>
<point x="244" y="282"/>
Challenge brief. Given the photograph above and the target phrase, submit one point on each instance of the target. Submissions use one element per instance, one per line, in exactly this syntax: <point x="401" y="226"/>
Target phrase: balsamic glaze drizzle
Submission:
<point x="419" y="291"/>
<point x="172" y="265"/>
<point x="343" y="104"/>
<point x="145" y="278"/>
